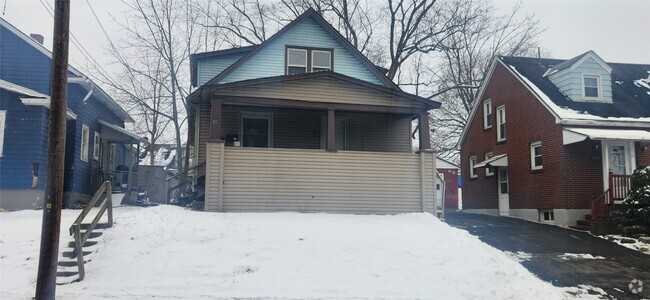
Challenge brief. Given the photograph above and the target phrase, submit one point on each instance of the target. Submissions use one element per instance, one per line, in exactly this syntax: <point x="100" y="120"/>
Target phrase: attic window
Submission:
<point x="591" y="86"/>
<point x="303" y="60"/>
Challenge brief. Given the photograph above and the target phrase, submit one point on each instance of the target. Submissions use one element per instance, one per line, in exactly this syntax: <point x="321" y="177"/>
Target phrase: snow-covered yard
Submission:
<point x="171" y="252"/>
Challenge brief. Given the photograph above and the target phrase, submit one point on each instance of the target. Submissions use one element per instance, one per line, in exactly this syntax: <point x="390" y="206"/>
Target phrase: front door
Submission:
<point x="504" y="199"/>
<point x="618" y="159"/>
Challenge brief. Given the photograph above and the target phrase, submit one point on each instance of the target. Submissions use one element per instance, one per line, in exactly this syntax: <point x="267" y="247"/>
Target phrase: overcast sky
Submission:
<point x="616" y="30"/>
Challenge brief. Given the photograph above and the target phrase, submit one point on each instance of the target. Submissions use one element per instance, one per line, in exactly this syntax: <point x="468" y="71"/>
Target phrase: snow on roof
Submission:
<point x="160" y="158"/>
<point x="643" y="82"/>
<point x="567" y="113"/>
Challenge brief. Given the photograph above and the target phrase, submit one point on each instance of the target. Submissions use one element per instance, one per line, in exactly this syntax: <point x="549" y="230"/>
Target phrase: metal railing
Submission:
<point x="80" y="237"/>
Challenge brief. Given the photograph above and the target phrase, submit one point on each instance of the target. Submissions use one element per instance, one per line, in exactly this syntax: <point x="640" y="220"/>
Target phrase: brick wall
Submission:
<point x="527" y="121"/>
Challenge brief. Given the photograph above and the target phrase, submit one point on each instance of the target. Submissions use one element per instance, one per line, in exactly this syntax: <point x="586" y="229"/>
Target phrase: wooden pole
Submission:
<point x="425" y="131"/>
<point x="49" y="251"/>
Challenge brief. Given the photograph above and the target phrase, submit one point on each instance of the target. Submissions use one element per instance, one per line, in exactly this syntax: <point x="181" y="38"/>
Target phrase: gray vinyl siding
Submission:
<point x="270" y="61"/>
<point x="260" y="179"/>
<point x="320" y="90"/>
<point x="570" y="83"/>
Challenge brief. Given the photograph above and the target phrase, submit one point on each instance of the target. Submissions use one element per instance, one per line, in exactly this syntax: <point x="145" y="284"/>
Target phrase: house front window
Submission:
<point x="536" y="156"/>
<point x="97" y="146"/>
<point x="303" y="60"/>
<point x="85" y="137"/>
<point x="256" y="130"/>
<point x="489" y="171"/>
<point x="487" y="114"/>
<point x="591" y="86"/>
<point x="501" y="123"/>
<point x="472" y="163"/>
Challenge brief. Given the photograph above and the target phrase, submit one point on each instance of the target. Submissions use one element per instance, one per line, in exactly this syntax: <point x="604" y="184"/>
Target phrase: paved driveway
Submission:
<point x="545" y="243"/>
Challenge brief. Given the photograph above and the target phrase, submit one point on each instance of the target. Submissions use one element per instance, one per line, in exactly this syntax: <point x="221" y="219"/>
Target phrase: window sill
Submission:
<point x="534" y="171"/>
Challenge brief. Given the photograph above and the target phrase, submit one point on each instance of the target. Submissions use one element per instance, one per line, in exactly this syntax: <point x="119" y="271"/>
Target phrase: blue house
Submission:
<point x="305" y="122"/>
<point x="96" y="145"/>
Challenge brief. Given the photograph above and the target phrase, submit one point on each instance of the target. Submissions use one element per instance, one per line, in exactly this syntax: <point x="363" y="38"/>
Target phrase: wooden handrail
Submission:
<point x="80" y="238"/>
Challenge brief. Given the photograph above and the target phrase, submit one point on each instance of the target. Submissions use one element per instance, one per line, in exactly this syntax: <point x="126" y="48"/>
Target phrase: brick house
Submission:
<point x="575" y="131"/>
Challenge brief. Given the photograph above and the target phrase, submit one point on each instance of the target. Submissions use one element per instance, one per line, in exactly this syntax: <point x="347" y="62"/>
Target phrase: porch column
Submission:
<point x="331" y="130"/>
<point x="215" y="121"/>
<point x="425" y="131"/>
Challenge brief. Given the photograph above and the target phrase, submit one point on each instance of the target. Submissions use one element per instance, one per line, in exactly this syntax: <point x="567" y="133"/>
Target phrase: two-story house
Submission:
<point x="96" y="144"/>
<point x="305" y="122"/>
<point x="555" y="140"/>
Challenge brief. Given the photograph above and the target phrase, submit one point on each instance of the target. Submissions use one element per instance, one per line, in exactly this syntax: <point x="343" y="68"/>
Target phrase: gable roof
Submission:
<point x="576" y="61"/>
<point x="194" y="58"/>
<point x="77" y="77"/>
<point x="310" y="13"/>
<point x="630" y="94"/>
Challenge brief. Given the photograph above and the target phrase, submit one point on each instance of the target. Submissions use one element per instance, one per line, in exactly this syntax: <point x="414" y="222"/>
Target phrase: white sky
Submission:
<point x="616" y="30"/>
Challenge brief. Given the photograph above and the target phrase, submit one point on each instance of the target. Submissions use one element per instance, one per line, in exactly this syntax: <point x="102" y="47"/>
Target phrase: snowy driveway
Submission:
<point x="562" y="256"/>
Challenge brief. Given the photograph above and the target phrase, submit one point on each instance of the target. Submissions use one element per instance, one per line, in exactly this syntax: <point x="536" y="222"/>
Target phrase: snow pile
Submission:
<point x="643" y="82"/>
<point x="170" y="252"/>
<point x="568" y="256"/>
<point x="567" y="113"/>
<point x="636" y="244"/>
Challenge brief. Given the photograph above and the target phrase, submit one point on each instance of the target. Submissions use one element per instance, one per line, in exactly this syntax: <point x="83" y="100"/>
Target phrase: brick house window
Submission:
<point x="85" y="137"/>
<point x="472" y="163"/>
<point x="501" y="123"/>
<point x="536" y="156"/>
<point x="547" y="215"/>
<point x="489" y="171"/>
<point x="487" y="114"/>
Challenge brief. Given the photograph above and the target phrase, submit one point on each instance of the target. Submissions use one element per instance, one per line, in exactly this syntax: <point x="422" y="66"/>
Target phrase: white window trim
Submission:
<point x="488" y="170"/>
<point x="534" y="145"/>
<point x="322" y="67"/>
<point x="487" y="112"/>
<point x="256" y="115"/>
<point x="499" y="121"/>
<point x="97" y="144"/>
<point x="599" y="86"/>
<point x="541" y="215"/>
<point x="85" y="141"/>
<point x="3" y="122"/>
<point x="299" y="66"/>
<point x="472" y="163"/>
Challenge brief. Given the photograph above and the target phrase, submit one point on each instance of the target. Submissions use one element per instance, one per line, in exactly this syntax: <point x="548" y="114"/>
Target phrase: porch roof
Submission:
<point x="575" y="135"/>
<point x="315" y="91"/>
<point x="495" y="161"/>
<point x="117" y="134"/>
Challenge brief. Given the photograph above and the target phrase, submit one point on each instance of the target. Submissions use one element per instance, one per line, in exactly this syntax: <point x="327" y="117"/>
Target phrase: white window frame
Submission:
<point x="472" y="163"/>
<point x="599" y="86"/>
<point x="488" y="170"/>
<point x="551" y="214"/>
<point x="501" y="120"/>
<point x="97" y="145"/>
<point x="256" y="115"/>
<point x="3" y="121"/>
<point x="487" y="111"/>
<point x="534" y="145"/>
<point x="85" y="140"/>
<point x="298" y="66"/>
<point x="329" y="68"/>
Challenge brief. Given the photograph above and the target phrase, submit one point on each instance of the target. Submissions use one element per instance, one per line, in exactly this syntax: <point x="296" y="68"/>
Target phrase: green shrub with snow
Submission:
<point x="634" y="214"/>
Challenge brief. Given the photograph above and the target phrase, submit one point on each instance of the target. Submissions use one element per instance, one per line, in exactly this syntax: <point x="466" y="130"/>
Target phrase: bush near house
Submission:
<point x="634" y="214"/>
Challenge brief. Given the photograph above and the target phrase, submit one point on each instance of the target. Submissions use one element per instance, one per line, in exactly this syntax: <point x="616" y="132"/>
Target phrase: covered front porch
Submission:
<point x="327" y="144"/>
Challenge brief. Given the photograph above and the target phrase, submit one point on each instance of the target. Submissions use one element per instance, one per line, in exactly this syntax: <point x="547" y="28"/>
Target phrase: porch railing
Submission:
<point x="80" y="237"/>
<point x="619" y="186"/>
<point x="184" y="179"/>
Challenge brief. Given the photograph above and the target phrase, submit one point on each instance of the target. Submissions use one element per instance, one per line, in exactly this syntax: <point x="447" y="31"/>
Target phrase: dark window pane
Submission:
<point x="504" y="188"/>
<point x="502" y="129"/>
<point x="255" y="132"/>
<point x="591" y="81"/>
<point x="538" y="150"/>
<point x="319" y="69"/>
<point x="489" y="120"/>
<point x="296" y="70"/>
<point x="591" y="92"/>
<point x="538" y="161"/>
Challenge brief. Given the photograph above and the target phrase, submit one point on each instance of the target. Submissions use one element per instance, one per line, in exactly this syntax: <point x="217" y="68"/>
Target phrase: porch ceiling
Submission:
<point x="575" y="135"/>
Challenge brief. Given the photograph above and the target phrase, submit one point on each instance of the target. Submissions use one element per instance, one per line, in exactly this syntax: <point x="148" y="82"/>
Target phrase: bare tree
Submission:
<point x="464" y="62"/>
<point x="167" y="30"/>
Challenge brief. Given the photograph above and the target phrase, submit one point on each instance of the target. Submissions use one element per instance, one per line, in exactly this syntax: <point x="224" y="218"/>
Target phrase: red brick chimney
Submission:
<point x="37" y="37"/>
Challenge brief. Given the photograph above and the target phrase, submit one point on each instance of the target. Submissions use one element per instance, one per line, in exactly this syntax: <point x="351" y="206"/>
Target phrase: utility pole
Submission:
<point x="49" y="253"/>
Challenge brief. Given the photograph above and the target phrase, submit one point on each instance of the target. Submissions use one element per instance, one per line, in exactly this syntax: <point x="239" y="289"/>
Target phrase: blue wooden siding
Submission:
<point x="270" y="61"/>
<point x="26" y="126"/>
<point x="25" y="143"/>
<point x="570" y="83"/>
<point x="209" y="67"/>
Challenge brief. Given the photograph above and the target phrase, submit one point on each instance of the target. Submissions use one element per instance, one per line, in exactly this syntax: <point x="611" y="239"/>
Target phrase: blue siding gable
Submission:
<point x="208" y="68"/>
<point x="569" y="81"/>
<point x="270" y="61"/>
